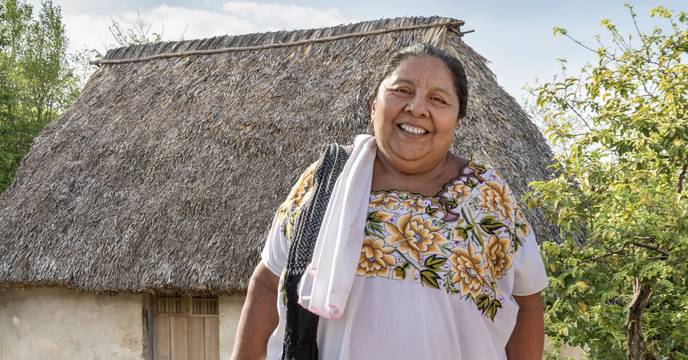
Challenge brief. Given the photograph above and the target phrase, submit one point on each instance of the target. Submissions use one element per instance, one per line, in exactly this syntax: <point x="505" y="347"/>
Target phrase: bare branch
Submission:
<point x="585" y="121"/>
<point x="586" y="46"/>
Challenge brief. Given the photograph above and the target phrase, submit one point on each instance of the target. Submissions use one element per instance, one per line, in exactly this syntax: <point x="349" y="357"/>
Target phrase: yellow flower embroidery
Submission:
<point x="495" y="196"/>
<point x="384" y="201"/>
<point x="459" y="191"/>
<point x="415" y="204"/>
<point x="468" y="272"/>
<point x="497" y="254"/>
<point x="374" y="259"/>
<point x="290" y="209"/>
<point x="414" y="235"/>
<point x="302" y="188"/>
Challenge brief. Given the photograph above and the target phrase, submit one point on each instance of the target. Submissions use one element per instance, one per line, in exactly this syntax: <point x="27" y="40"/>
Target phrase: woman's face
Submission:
<point x="415" y="113"/>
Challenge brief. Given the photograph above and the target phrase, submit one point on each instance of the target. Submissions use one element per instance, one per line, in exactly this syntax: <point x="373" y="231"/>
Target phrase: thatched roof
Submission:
<point x="166" y="171"/>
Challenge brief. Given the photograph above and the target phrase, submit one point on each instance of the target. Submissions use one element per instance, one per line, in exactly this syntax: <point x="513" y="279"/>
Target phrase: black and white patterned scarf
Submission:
<point x="300" y="335"/>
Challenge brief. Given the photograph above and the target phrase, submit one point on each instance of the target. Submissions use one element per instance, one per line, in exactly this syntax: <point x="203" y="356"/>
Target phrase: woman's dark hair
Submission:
<point x="455" y="67"/>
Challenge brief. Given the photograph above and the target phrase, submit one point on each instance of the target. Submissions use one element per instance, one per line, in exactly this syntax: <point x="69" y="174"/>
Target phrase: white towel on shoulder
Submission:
<point x="324" y="287"/>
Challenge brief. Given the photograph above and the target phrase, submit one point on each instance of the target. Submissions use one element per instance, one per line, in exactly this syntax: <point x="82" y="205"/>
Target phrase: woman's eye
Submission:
<point x="439" y="100"/>
<point x="403" y="91"/>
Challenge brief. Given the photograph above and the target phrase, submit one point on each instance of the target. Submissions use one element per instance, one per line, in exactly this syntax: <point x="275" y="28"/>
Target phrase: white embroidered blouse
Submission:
<point x="435" y="276"/>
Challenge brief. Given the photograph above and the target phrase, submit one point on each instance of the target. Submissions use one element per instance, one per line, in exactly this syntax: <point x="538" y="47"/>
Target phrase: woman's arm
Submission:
<point x="528" y="338"/>
<point x="258" y="316"/>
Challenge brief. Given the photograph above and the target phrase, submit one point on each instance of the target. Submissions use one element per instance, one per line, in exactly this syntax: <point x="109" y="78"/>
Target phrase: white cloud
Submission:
<point x="91" y="31"/>
<point x="278" y="16"/>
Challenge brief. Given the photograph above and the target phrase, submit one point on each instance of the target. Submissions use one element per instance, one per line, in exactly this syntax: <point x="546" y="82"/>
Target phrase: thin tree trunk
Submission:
<point x="634" y="332"/>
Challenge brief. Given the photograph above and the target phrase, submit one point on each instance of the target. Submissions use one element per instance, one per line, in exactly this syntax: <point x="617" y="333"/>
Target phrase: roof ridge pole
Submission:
<point x="448" y="24"/>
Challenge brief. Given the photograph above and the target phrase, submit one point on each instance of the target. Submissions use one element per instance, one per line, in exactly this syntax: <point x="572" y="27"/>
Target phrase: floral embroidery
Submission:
<point x="415" y="204"/>
<point x="495" y="197"/>
<point x="384" y="201"/>
<point x="290" y="209"/>
<point x="375" y="258"/>
<point x="459" y="191"/>
<point x="468" y="272"/>
<point x="461" y="241"/>
<point x="497" y="254"/>
<point x="522" y="226"/>
<point x="414" y="235"/>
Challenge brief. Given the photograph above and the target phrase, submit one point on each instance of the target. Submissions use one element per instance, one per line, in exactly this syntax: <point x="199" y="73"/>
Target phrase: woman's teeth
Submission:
<point x="412" y="129"/>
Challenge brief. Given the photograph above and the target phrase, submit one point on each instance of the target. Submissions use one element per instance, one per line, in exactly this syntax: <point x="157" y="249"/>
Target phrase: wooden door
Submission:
<point x="186" y="328"/>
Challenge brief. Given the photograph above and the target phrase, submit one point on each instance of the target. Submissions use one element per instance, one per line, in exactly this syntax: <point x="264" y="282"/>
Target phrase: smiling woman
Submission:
<point x="397" y="235"/>
<point x="415" y="114"/>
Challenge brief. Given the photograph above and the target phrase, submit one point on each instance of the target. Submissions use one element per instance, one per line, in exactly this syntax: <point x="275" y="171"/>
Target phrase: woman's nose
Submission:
<point x="417" y="106"/>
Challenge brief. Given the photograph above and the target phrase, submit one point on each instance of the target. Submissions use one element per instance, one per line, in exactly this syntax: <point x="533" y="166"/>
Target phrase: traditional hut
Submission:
<point x="135" y="221"/>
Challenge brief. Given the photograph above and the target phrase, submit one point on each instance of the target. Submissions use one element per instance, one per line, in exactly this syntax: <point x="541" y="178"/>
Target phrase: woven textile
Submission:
<point x="302" y="326"/>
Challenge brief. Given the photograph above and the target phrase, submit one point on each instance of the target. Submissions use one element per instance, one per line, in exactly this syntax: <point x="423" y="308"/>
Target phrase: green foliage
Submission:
<point x="37" y="80"/>
<point x="620" y="193"/>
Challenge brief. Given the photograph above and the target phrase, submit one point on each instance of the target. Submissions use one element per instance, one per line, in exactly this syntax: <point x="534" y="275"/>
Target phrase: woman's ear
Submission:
<point x="371" y="127"/>
<point x="372" y="106"/>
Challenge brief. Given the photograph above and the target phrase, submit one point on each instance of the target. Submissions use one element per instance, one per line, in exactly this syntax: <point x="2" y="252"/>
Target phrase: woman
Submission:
<point x="444" y="265"/>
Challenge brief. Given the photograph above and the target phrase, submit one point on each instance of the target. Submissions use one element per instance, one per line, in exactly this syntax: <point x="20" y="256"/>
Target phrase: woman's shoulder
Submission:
<point x="302" y="188"/>
<point x="481" y="185"/>
<point x="290" y="208"/>
<point x="497" y="197"/>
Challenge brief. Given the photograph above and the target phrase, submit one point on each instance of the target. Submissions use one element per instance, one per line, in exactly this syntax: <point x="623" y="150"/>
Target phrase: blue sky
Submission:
<point x="515" y="36"/>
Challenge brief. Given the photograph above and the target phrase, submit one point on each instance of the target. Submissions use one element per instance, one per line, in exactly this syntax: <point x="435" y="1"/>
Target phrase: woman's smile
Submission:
<point x="413" y="131"/>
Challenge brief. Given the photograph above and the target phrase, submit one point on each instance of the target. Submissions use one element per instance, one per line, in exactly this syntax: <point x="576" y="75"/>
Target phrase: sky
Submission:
<point x="515" y="36"/>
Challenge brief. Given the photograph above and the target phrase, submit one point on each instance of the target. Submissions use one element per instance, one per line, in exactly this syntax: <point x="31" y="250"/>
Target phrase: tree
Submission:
<point x="37" y="79"/>
<point x="618" y="284"/>
<point x="49" y="81"/>
<point x="14" y="20"/>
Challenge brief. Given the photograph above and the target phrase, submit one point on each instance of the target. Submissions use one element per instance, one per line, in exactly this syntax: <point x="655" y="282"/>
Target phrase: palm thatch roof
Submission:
<point x="165" y="173"/>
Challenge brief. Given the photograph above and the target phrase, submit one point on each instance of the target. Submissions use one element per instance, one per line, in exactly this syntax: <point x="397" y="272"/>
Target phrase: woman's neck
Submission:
<point x="426" y="181"/>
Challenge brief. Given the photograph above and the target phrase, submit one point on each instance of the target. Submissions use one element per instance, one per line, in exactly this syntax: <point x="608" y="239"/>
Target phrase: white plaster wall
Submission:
<point x="54" y="323"/>
<point x="230" y="310"/>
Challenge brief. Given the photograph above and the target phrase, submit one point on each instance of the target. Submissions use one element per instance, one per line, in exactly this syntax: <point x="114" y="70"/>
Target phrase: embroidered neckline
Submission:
<point x="464" y="172"/>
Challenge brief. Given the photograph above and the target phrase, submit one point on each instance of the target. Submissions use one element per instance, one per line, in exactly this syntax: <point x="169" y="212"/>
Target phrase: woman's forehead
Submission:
<point x="424" y="69"/>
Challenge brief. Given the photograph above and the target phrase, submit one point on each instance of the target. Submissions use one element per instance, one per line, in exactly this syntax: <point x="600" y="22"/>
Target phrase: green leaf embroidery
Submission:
<point x="435" y="262"/>
<point x="465" y="217"/>
<point x="374" y="225"/>
<point x="430" y="278"/>
<point x="373" y="217"/>
<point x="488" y="306"/>
<point x="400" y="272"/>
<point x="516" y="242"/>
<point x="374" y="229"/>
<point x="461" y="234"/>
<point x="489" y="224"/>
<point x="478" y="168"/>
<point x="448" y="285"/>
